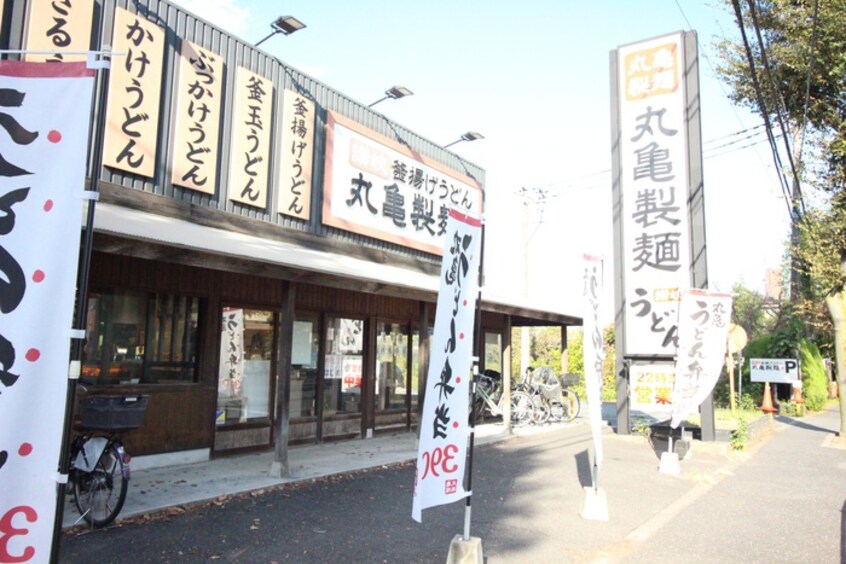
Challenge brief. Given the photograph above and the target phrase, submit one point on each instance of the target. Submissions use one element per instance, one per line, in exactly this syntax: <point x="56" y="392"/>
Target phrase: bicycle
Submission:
<point x="99" y="466"/>
<point x="489" y="387"/>
<point x="551" y="396"/>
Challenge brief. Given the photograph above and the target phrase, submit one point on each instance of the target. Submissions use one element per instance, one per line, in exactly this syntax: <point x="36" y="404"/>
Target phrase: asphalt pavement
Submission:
<point x="783" y="501"/>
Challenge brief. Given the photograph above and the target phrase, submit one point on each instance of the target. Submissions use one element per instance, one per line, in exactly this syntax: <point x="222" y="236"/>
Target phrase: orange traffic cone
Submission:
<point x="767" y="403"/>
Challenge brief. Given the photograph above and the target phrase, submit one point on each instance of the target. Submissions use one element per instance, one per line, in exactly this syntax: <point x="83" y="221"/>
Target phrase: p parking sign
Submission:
<point x="774" y="370"/>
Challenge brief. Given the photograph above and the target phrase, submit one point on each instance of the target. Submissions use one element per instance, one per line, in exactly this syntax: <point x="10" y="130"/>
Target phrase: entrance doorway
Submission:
<point x="245" y="379"/>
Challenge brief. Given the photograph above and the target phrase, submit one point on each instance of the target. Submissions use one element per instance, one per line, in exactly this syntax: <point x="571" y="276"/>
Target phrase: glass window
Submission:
<point x="342" y="382"/>
<point x="304" y="350"/>
<point x="391" y="365"/>
<point x="246" y="353"/>
<point x="493" y="352"/>
<point x="138" y="338"/>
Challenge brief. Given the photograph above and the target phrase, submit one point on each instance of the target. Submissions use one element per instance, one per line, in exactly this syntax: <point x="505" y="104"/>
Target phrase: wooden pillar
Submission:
<point x="285" y="332"/>
<point x="565" y="355"/>
<point x="506" y="374"/>
<point x="422" y="359"/>
<point x="368" y="392"/>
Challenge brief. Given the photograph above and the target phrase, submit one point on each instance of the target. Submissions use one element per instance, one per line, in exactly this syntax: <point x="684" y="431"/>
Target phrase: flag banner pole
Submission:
<point x="595" y="502"/>
<point x="445" y="425"/>
<point x="80" y="315"/>
<point x="48" y="115"/>
<point x="478" y="342"/>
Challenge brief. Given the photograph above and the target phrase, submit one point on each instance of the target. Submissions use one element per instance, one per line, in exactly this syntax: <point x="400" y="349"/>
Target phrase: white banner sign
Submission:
<point x="654" y="182"/>
<point x="774" y="370"/>
<point x="45" y="107"/>
<point x="704" y="319"/>
<point x="444" y="426"/>
<point x="592" y="344"/>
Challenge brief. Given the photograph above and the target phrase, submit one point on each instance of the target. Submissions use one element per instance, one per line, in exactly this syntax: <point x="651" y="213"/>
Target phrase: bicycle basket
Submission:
<point x="571" y="379"/>
<point x="112" y="413"/>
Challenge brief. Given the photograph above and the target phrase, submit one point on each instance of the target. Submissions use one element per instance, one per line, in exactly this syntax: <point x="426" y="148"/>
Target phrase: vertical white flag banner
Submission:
<point x="43" y="144"/>
<point x="594" y="353"/>
<point x="704" y="319"/>
<point x="444" y="425"/>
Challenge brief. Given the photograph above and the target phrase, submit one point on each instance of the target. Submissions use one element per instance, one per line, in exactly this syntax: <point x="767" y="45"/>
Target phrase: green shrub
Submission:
<point x="747" y="403"/>
<point x="814" y="377"/>
<point x="740" y="436"/>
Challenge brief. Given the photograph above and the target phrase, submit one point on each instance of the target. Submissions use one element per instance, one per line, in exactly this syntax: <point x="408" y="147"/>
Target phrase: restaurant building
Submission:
<point x="266" y="251"/>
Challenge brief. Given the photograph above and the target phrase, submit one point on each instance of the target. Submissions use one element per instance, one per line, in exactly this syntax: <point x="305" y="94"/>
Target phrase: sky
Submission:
<point x="533" y="78"/>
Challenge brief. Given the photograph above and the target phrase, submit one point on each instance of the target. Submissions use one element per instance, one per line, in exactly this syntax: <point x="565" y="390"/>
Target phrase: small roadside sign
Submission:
<point x="774" y="370"/>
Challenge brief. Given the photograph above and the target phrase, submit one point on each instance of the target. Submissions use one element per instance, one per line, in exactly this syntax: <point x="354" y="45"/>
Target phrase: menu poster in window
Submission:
<point x="249" y="163"/>
<point x="58" y="26"/>
<point x="334" y="369"/>
<point x="135" y="85"/>
<point x="198" y="91"/>
<point x="301" y="344"/>
<point x="42" y="181"/>
<point x="231" y="376"/>
<point x="352" y="373"/>
<point x="297" y="155"/>
<point x="351" y="335"/>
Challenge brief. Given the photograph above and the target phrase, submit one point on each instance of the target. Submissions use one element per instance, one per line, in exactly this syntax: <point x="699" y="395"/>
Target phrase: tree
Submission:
<point x="752" y="311"/>
<point x="789" y="66"/>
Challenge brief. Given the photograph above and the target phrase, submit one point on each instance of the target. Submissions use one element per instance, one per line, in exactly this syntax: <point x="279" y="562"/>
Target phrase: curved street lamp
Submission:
<point x="393" y="93"/>
<point x="469" y="136"/>
<point x="286" y="25"/>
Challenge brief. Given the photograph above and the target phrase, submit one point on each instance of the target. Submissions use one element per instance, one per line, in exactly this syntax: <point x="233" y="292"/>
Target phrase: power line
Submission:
<point x="762" y="107"/>
<point x="780" y="107"/>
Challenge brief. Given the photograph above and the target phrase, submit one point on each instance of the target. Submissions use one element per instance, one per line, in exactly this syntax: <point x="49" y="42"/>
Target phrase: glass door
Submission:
<point x="343" y="380"/>
<point x="245" y="385"/>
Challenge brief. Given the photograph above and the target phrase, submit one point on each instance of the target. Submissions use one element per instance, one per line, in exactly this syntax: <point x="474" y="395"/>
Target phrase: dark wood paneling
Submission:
<point x="178" y="418"/>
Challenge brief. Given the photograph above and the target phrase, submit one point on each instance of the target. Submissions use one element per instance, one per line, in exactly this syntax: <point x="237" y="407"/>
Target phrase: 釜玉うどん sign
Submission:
<point x="377" y="187"/>
<point x="653" y="166"/>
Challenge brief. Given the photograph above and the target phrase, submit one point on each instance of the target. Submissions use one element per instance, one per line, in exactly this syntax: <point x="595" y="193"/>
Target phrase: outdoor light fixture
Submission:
<point x="286" y="25"/>
<point x="469" y="136"/>
<point x="393" y="93"/>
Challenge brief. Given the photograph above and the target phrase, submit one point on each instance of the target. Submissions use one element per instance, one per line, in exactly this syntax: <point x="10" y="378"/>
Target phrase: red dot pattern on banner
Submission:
<point x="455" y="424"/>
<point x="458" y="379"/>
<point x="461" y="336"/>
<point x="38" y="276"/>
<point x="465" y="303"/>
<point x="48" y="205"/>
<point x="33" y="354"/>
<point x="25" y="449"/>
<point x="54" y="136"/>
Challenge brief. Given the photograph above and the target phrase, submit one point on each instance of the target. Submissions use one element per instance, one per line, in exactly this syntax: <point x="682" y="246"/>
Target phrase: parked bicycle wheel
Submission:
<point x="540" y="413"/>
<point x="572" y="405"/>
<point x="99" y="494"/>
<point x="558" y="411"/>
<point x="521" y="409"/>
